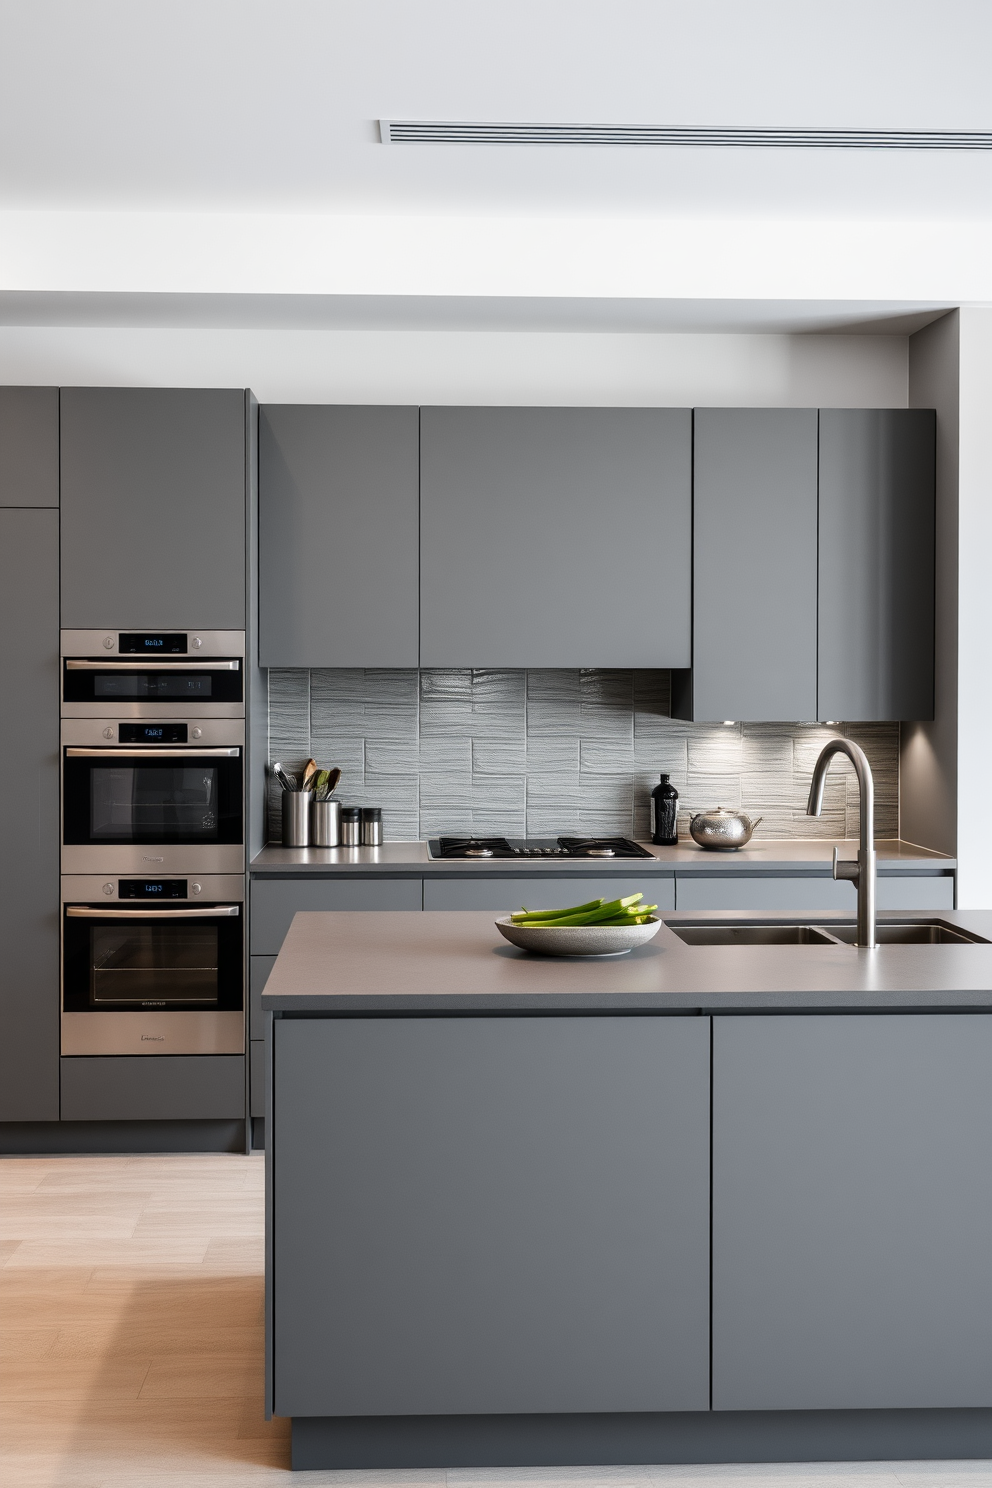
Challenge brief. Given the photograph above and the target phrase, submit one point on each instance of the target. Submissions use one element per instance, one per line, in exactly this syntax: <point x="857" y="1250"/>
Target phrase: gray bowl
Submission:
<point x="578" y="940"/>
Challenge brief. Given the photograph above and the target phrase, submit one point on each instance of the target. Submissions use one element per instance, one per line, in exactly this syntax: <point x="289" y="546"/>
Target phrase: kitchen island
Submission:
<point x="697" y="1203"/>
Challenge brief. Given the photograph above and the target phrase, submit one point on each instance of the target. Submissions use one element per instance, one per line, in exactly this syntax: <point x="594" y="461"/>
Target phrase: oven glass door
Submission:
<point x="120" y="797"/>
<point x="145" y="681"/>
<point x="125" y="960"/>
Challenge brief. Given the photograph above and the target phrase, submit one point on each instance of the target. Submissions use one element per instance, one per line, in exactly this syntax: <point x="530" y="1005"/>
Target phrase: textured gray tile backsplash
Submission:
<point x="541" y="752"/>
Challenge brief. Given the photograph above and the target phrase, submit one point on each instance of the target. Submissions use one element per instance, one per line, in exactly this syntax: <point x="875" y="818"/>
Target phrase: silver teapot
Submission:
<point x="722" y="829"/>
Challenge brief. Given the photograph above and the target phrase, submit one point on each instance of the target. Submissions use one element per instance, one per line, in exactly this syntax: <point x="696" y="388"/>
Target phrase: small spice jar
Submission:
<point x="371" y="824"/>
<point x="350" y="826"/>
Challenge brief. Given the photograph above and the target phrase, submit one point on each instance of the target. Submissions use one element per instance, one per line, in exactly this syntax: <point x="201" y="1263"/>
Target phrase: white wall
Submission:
<point x="974" y="609"/>
<point x="471" y="366"/>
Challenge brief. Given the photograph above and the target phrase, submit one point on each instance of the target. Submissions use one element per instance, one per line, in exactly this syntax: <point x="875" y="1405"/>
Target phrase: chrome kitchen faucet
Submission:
<point x="861" y="873"/>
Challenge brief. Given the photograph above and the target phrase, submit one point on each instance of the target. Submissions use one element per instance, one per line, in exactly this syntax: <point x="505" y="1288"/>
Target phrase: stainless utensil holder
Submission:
<point x="325" y="824"/>
<point x="296" y="818"/>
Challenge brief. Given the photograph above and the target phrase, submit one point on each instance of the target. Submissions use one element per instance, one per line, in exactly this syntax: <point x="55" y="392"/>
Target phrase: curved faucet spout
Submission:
<point x="862" y="874"/>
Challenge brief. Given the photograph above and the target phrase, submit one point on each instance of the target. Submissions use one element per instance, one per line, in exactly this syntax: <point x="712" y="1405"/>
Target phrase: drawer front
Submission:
<point x="787" y="895"/>
<point x="504" y="895"/>
<point x="274" y="902"/>
<point x="178" y="1087"/>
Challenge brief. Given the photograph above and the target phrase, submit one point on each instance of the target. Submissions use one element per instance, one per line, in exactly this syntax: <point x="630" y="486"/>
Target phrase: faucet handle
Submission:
<point x="846" y="869"/>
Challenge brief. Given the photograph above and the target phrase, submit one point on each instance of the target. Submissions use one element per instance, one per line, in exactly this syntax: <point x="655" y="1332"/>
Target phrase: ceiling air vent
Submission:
<point x="425" y="132"/>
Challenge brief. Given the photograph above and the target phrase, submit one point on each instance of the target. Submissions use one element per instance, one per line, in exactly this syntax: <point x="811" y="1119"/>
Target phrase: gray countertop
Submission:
<point x="811" y="856"/>
<point x="456" y="962"/>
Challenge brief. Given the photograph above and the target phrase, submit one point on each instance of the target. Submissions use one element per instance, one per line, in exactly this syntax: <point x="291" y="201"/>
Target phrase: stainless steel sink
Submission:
<point x="751" y="935"/>
<point x="916" y="932"/>
<point x="896" y="932"/>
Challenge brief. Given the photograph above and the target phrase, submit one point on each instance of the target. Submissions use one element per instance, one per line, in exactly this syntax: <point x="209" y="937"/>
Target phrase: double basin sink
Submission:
<point x="895" y="932"/>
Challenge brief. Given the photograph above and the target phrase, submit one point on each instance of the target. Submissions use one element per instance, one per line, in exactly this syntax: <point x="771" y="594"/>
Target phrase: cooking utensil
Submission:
<point x="309" y="770"/>
<point x="578" y="940"/>
<point x="322" y="784"/>
<point x="722" y="829"/>
<point x="286" y="781"/>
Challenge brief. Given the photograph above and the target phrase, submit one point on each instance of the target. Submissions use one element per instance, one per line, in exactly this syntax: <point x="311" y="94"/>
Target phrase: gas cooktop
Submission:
<point x="596" y="848"/>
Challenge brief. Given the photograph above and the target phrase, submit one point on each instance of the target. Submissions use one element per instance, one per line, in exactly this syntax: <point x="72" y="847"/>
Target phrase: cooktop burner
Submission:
<point x="596" y="848"/>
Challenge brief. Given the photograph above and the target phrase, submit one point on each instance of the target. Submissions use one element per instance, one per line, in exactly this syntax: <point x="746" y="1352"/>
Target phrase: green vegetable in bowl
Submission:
<point x="627" y="911"/>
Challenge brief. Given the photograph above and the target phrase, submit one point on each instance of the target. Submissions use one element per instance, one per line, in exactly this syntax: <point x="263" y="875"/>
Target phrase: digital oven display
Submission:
<point x="152" y="888"/>
<point x="153" y="733"/>
<point x="134" y="643"/>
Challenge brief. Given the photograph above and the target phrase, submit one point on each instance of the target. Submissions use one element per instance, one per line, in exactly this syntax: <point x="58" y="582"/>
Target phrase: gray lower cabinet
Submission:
<point x="153" y="508"/>
<point x="259" y="968"/>
<point x="201" y="1087"/>
<point x="852" y="1212"/>
<point x="555" y="537"/>
<point x="274" y="902"/>
<point x="29" y="446"/>
<point x="876" y="563"/>
<point x="339" y="522"/>
<point x="809" y="895"/>
<point x="29" y="814"/>
<point x="490" y="1215"/>
<point x="256" y="1078"/>
<point x="504" y="895"/>
<point x="754" y="566"/>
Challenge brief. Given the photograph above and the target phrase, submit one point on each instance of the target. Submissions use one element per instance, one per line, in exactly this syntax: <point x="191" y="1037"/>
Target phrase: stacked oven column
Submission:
<point x="153" y="844"/>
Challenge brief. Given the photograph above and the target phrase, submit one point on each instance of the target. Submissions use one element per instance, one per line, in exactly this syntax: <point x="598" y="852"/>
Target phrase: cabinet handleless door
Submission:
<point x="852" y="1212"/>
<point x="555" y="537"/>
<point x="876" y="563"/>
<point x="153" y="508"/>
<point x="29" y="446"/>
<point x="29" y="815"/>
<point x="338" y="498"/>
<point x="754" y="564"/>
<point x="479" y="1215"/>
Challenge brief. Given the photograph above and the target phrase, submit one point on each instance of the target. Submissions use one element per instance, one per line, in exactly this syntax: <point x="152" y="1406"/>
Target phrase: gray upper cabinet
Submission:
<point x="29" y="446"/>
<point x="29" y="815"/>
<point x="338" y="531"/>
<point x="754" y="555"/>
<point x="555" y="537"/>
<point x="876" y="564"/>
<point x="153" y="508"/>
<point x="852" y="1212"/>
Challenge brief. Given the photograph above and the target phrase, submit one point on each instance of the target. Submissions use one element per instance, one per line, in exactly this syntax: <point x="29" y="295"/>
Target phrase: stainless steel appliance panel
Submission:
<point x="97" y="733"/>
<point x="94" y="888"/>
<point x="160" y="859"/>
<point x="153" y="1033"/>
<point x="106" y="642"/>
<point x="107" y="673"/>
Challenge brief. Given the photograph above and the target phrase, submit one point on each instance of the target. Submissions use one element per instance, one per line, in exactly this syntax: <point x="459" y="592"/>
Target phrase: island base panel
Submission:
<point x="354" y="1442"/>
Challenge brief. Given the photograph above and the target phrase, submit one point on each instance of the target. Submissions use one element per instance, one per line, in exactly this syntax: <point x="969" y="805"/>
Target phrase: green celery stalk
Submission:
<point x="594" y="917"/>
<point x="533" y="916"/>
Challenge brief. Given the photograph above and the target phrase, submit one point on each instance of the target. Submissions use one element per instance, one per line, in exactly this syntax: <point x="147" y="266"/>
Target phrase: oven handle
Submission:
<point x="150" y="751"/>
<point x="74" y="664"/>
<point x="84" y="912"/>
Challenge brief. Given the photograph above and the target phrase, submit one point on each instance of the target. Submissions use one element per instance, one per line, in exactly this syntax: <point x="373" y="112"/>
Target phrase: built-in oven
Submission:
<point x="153" y="796"/>
<point x="153" y="675"/>
<point x="153" y="965"/>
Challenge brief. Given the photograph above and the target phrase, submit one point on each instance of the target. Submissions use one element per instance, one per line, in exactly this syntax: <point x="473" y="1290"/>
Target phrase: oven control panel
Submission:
<point x="153" y="888"/>
<point x="203" y="888"/>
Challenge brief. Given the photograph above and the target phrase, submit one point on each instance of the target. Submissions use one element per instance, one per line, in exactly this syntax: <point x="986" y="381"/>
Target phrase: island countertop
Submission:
<point x="457" y="962"/>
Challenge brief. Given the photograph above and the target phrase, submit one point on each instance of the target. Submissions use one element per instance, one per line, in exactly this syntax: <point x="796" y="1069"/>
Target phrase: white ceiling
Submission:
<point x="269" y="107"/>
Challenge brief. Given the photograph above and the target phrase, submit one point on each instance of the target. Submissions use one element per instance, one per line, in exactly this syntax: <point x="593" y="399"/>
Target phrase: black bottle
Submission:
<point x="664" y="814"/>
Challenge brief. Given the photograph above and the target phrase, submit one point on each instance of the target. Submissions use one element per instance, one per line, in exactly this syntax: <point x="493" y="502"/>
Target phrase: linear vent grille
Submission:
<point x="421" y="132"/>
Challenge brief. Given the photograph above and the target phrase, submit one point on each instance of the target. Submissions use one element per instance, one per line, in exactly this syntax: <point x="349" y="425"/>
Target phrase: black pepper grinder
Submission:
<point x="664" y="814"/>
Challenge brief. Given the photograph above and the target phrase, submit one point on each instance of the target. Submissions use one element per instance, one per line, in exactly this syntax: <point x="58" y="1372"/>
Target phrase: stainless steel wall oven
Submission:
<point x="153" y="965"/>
<point x="168" y="674"/>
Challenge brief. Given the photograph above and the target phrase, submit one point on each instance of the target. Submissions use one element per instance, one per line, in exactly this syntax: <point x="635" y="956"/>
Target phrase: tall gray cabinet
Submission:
<point x="338" y="532"/>
<point x="29" y="802"/>
<point x="153" y="508"/>
<point x="555" y="537"/>
<point x="29" y="446"/>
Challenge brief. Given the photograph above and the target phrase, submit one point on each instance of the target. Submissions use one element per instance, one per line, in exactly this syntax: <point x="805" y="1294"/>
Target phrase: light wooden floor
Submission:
<point x="131" y="1339"/>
